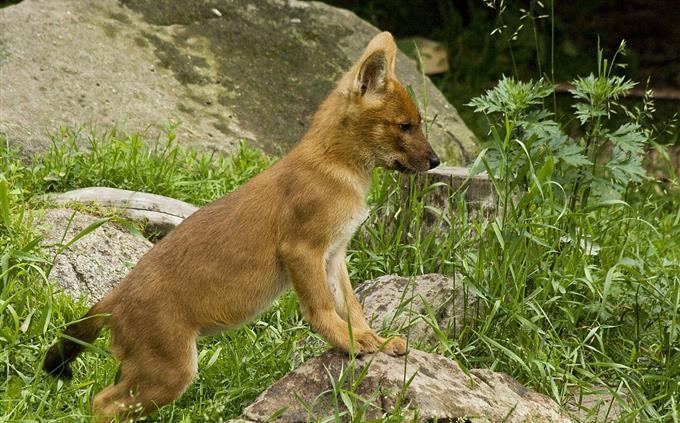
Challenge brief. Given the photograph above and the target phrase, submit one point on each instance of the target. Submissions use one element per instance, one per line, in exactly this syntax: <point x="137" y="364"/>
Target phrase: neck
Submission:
<point x="332" y="148"/>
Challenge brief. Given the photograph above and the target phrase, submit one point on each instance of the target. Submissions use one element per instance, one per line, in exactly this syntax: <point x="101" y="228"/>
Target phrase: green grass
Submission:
<point x="117" y="160"/>
<point x="559" y="318"/>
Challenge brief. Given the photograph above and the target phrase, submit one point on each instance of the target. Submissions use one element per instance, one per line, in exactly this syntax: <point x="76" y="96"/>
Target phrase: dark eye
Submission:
<point x="405" y="127"/>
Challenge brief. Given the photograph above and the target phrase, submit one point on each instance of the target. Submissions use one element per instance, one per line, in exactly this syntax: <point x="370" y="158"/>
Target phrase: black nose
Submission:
<point x="434" y="160"/>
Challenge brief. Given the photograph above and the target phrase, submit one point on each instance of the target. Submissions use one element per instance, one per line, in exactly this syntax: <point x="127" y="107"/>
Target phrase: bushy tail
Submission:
<point x="60" y="355"/>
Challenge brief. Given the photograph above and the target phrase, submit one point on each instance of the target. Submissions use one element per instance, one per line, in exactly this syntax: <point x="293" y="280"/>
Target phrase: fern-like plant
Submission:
<point x="528" y="147"/>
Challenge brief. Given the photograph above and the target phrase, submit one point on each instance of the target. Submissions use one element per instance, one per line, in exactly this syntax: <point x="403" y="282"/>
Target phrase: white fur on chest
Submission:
<point x="346" y="231"/>
<point x="335" y="254"/>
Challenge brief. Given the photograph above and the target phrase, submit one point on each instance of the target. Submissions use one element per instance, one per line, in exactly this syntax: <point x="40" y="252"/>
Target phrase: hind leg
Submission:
<point x="150" y="378"/>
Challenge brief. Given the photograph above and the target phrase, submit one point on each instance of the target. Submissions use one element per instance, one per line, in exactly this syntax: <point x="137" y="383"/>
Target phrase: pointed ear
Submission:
<point x="372" y="75"/>
<point x="375" y="65"/>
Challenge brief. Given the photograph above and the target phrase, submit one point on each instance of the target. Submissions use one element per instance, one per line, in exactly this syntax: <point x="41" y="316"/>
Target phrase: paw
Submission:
<point x="395" y="346"/>
<point x="366" y="342"/>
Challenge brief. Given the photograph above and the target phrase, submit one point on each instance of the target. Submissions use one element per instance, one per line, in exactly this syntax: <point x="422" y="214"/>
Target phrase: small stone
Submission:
<point x="597" y="404"/>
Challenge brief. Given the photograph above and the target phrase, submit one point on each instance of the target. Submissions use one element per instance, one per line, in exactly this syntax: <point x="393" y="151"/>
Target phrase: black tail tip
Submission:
<point x="56" y="364"/>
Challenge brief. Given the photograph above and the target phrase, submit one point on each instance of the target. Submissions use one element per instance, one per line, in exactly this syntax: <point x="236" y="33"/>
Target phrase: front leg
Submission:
<point x="348" y="306"/>
<point x="307" y="271"/>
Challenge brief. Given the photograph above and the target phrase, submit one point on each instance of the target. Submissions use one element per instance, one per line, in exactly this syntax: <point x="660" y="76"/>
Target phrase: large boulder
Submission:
<point x="421" y="307"/>
<point x="93" y="264"/>
<point x="226" y="69"/>
<point x="437" y="390"/>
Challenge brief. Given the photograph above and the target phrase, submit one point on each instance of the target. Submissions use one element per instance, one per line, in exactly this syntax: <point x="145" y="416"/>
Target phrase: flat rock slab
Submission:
<point x="439" y="390"/>
<point x="418" y="307"/>
<point x="160" y="214"/>
<point x="95" y="263"/>
<point x="226" y="69"/>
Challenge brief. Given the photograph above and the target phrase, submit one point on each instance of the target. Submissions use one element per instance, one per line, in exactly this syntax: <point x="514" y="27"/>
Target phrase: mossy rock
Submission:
<point x="226" y="70"/>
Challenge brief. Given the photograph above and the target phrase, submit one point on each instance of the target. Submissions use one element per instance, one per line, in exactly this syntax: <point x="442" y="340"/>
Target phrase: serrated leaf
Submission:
<point x="572" y="155"/>
<point x="603" y="189"/>
<point x="624" y="168"/>
<point x="629" y="137"/>
<point x="511" y="96"/>
<point x="586" y="111"/>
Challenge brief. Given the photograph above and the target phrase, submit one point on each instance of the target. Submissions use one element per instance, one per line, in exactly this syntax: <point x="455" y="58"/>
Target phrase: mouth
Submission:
<point x="398" y="166"/>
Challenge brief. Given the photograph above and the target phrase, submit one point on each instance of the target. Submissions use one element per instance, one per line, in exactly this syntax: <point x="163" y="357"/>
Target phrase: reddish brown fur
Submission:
<point x="288" y="225"/>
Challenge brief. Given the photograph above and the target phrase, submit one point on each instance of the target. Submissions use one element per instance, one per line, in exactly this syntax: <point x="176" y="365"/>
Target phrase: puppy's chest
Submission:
<point x="347" y="228"/>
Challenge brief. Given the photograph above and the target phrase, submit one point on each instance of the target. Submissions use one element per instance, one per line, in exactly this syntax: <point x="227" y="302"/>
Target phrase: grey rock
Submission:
<point x="479" y="193"/>
<point x="433" y="54"/>
<point x="414" y="307"/>
<point x="444" y="191"/>
<point x="95" y="263"/>
<point x="442" y="187"/>
<point x="160" y="214"/>
<point x="438" y="390"/>
<point x="253" y="70"/>
<point x="598" y="404"/>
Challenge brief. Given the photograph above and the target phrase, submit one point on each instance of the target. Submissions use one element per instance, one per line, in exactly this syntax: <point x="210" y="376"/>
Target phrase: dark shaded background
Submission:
<point x="485" y="41"/>
<point x="651" y="29"/>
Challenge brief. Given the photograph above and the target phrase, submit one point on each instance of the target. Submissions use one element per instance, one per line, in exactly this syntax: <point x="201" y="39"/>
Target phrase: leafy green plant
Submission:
<point x="567" y="239"/>
<point x="528" y="144"/>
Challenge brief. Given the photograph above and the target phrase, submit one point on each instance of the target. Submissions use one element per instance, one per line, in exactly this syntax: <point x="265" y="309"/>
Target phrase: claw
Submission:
<point x="395" y="346"/>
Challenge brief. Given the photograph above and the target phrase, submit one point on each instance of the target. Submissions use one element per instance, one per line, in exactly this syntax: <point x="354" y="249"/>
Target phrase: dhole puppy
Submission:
<point x="289" y="225"/>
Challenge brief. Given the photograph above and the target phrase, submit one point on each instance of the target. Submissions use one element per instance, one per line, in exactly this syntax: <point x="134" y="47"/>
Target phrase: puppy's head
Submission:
<point x="381" y="114"/>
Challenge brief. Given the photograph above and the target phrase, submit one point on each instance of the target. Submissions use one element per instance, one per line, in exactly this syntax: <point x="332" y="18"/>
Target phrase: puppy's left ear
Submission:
<point x="371" y="72"/>
<point x="372" y="75"/>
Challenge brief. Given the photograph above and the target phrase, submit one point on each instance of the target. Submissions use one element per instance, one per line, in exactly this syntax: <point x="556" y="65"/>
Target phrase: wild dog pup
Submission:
<point x="229" y="260"/>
